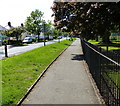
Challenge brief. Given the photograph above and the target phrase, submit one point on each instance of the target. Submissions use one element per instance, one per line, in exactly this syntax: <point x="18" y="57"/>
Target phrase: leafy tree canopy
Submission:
<point x="34" y="22"/>
<point x="88" y="19"/>
<point x="13" y="32"/>
<point x="48" y="27"/>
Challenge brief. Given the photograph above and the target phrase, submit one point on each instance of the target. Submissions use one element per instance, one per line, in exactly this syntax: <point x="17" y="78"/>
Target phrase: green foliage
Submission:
<point x="6" y="32"/>
<point x="115" y="76"/>
<point x="93" y="41"/>
<point x="14" y="32"/>
<point x="48" y="28"/>
<point x="20" y="72"/>
<point x="110" y="48"/>
<point x="88" y="19"/>
<point x="113" y="46"/>
<point x="34" y="22"/>
<point x="15" y="42"/>
<point x="54" y="32"/>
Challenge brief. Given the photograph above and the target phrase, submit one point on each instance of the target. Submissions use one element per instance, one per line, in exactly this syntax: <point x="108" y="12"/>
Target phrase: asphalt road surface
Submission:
<point x="67" y="81"/>
<point x="21" y="49"/>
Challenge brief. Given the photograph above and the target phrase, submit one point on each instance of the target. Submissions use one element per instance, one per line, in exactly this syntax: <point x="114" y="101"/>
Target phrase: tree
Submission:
<point x="9" y="24"/>
<point x="17" y="32"/>
<point x="87" y="19"/>
<point x="54" y="32"/>
<point x="48" y="28"/>
<point x="34" y="22"/>
<point x="14" y="32"/>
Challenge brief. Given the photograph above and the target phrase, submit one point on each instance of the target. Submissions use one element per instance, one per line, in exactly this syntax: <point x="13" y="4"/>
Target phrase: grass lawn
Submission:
<point x="21" y="71"/>
<point x="114" y="47"/>
<point x="93" y="42"/>
<point x="110" y="48"/>
<point x="115" y="76"/>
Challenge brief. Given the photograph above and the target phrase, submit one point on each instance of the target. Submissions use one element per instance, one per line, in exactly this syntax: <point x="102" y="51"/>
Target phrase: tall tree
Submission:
<point x="88" y="19"/>
<point x="48" y="28"/>
<point x="34" y="22"/>
<point x="14" y="32"/>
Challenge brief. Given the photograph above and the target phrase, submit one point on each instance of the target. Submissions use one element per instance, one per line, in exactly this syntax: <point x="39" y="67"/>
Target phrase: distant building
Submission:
<point x="25" y="34"/>
<point x="2" y="28"/>
<point x="115" y="34"/>
<point x="2" y="37"/>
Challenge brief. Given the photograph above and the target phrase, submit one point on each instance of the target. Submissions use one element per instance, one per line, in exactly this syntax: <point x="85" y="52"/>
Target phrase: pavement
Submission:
<point x="67" y="81"/>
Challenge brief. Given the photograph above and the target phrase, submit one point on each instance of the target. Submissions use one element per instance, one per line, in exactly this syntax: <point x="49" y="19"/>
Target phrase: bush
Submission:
<point x="15" y="42"/>
<point x="113" y="38"/>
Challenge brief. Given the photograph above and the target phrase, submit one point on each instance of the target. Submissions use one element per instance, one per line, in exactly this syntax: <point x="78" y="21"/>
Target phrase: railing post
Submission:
<point x="100" y="68"/>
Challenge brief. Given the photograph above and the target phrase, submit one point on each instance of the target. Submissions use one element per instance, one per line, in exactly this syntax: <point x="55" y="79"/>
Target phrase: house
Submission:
<point x="2" y="28"/>
<point x="25" y="34"/>
<point x="2" y="37"/>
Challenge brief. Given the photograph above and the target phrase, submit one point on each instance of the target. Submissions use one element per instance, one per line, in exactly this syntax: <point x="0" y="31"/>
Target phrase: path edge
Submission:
<point x="96" y="90"/>
<point x="41" y="75"/>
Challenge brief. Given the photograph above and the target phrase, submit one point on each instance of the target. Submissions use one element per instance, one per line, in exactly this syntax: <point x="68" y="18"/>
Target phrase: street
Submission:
<point x="21" y="49"/>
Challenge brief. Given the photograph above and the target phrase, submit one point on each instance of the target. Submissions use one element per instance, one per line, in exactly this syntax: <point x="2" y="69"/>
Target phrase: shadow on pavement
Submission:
<point x="78" y="57"/>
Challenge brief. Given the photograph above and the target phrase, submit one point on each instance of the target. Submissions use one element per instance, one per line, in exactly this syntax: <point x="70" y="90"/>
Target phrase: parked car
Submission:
<point x="41" y="37"/>
<point x="59" y="37"/>
<point x="50" y="37"/>
<point x="28" y="40"/>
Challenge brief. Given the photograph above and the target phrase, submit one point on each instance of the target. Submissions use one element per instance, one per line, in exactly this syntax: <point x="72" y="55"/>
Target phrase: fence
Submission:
<point x="105" y="71"/>
<point x="114" y="55"/>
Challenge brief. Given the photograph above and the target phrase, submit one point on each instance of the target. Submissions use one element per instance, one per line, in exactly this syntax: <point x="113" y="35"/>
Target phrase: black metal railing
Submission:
<point x="105" y="71"/>
<point x="114" y="54"/>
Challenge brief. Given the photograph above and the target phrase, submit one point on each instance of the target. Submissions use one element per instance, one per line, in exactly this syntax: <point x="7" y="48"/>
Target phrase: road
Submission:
<point x="21" y="49"/>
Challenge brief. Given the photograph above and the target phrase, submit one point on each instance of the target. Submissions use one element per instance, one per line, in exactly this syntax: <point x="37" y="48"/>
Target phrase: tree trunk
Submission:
<point x="38" y="38"/>
<point x="96" y="38"/>
<point x="105" y="38"/>
<point x="38" y="33"/>
<point x="17" y="38"/>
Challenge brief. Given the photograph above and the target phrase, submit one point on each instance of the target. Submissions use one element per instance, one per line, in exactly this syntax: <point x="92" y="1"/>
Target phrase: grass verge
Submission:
<point x="21" y="71"/>
<point x="0" y="83"/>
<point x="93" y="42"/>
<point x="110" y="48"/>
<point x="115" y="76"/>
<point x="114" y="46"/>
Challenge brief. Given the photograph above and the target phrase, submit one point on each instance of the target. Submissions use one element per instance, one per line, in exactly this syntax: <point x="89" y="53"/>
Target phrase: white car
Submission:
<point x="50" y="37"/>
<point x="27" y="40"/>
<point x="59" y="37"/>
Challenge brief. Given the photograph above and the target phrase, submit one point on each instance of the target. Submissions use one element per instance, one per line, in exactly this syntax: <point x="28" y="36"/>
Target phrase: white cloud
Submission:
<point x="16" y="11"/>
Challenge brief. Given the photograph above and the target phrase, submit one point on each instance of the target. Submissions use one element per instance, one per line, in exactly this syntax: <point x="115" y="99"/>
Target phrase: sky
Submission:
<point x="17" y="11"/>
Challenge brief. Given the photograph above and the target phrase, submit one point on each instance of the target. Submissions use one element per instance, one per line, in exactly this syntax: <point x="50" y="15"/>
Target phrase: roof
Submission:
<point x="2" y="28"/>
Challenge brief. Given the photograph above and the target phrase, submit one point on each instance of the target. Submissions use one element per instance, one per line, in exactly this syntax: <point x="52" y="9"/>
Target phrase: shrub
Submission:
<point x="15" y="42"/>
